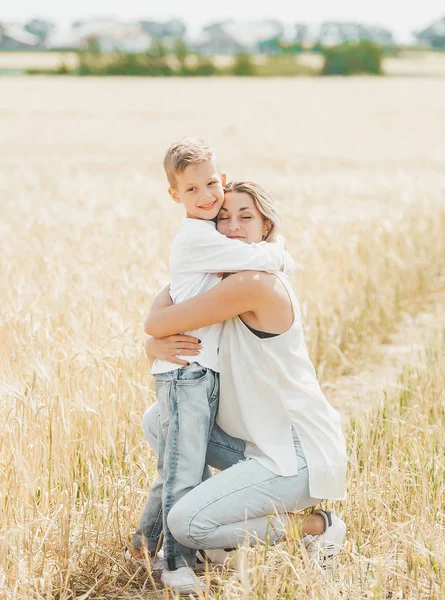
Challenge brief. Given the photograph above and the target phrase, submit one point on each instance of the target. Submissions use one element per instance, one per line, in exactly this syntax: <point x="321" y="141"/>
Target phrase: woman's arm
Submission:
<point x="237" y="294"/>
<point x="169" y="348"/>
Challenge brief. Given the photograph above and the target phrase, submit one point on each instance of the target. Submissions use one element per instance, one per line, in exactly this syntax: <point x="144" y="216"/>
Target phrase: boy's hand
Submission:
<point x="169" y="348"/>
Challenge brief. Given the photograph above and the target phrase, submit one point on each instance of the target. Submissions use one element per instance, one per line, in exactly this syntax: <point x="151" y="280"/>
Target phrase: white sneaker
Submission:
<point x="322" y="549"/>
<point x="182" y="580"/>
<point x="156" y="564"/>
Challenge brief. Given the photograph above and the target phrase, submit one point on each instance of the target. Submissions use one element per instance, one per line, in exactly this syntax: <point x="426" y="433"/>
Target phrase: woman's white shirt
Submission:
<point x="268" y="387"/>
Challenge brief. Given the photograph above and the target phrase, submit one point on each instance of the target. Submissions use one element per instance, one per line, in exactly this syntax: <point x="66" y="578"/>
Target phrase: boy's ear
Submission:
<point x="223" y="178"/>
<point x="174" y="195"/>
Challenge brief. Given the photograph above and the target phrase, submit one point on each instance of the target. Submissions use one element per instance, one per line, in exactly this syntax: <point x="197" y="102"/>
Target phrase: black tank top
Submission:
<point x="260" y="334"/>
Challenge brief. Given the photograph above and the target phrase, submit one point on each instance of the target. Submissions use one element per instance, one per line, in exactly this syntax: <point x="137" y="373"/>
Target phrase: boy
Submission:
<point x="188" y="396"/>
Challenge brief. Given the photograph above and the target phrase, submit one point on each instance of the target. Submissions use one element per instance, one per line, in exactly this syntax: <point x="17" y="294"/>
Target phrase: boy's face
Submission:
<point x="200" y="189"/>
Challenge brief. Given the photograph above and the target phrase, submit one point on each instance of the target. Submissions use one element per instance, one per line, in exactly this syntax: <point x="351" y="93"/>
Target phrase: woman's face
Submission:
<point x="240" y="219"/>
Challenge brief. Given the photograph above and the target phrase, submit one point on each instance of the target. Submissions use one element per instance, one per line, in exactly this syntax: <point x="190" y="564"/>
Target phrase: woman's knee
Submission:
<point x="186" y="527"/>
<point x="150" y="426"/>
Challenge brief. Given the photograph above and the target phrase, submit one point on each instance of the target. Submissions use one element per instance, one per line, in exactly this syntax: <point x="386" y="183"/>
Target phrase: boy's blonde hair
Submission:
<point x="263" y="202"/>
<point x="188" y="151"/>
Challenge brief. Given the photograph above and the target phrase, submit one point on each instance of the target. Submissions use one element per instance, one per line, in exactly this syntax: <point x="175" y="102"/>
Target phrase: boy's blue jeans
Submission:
<point x="188" y="401"/>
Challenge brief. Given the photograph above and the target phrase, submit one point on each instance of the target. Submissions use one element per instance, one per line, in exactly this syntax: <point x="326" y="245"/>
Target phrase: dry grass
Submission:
<point x="37" y="60"/>
<point x="415" y="63"/>
<point x="85" y="224"/>
<point x="395" y="510"/>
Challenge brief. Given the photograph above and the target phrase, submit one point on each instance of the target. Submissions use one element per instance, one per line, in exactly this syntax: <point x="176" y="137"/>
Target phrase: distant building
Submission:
<point x="301" y="33"/>
<point x="41" y="28"/>
<point x="122" y="37"/>
<point x="379" y="35"/>
<point x="434" y="35"/>
<point x="64" y="38"/>
<point x="109" y="35"/>
<point x="175" y="29"/>
<point x="331" y="33"/>
<point x="267" y="36"/>
<point x="14" y="36"/>
<point x="232" y="37"/>
<point x="215" y="39"/>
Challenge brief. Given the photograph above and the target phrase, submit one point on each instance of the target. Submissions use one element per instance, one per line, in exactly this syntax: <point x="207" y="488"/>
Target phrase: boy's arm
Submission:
<point x="288" y="263"/>
<point x="211" y="252"/>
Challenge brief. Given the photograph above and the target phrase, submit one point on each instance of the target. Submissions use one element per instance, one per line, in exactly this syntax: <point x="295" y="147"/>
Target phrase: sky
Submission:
<point x="401" y="16"/>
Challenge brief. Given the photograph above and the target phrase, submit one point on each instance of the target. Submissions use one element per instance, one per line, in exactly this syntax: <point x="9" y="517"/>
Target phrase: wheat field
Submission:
<point x="357" y="168"/>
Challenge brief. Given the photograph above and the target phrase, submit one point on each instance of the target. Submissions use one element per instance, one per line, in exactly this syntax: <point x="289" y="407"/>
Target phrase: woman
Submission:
<point x="278" y="439"/>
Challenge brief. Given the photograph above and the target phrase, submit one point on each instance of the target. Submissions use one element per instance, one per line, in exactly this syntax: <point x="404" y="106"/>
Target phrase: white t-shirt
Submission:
<point x="269" y="386"/>
<point x="198" y="252"/>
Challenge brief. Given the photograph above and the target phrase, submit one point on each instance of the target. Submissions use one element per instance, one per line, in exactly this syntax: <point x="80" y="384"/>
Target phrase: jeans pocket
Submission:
<point x="193" y="373"/>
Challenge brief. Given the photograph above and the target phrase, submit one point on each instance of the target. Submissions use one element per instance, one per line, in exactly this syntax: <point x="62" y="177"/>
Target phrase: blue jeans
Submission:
<point x="244" y="498"/>
<point x="188" y="401"/>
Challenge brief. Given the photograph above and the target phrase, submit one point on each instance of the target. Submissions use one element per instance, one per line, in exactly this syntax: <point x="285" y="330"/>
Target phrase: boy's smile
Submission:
<point x="208" y="206"/>
<point x="200" y="189"/>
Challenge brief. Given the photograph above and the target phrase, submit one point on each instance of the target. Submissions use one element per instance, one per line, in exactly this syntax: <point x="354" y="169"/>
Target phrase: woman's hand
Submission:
<point x="170" y="347"/>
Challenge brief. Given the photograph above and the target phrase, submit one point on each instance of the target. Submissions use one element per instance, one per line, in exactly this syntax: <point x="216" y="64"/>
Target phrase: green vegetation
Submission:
<point x="351" y="58"/>
<point x="283" y="65"/>
<point x="154" y="62"/>
<point x="281" y="60"/>
<point x="158" y="61"/>
<point x="243" y="65"/>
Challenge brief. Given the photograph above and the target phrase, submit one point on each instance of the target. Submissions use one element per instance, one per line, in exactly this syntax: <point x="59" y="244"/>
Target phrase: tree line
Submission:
<point x="347" y="58"/>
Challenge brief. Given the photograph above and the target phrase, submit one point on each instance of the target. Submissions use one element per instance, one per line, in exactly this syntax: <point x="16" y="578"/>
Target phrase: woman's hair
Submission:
<point x="263" y="202"/>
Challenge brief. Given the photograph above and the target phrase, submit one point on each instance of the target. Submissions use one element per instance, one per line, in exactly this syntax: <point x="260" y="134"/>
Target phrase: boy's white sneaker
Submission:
<point x="322" y="549"/>
<point x="156" y="564"/>
<point x="182" y="580"/>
